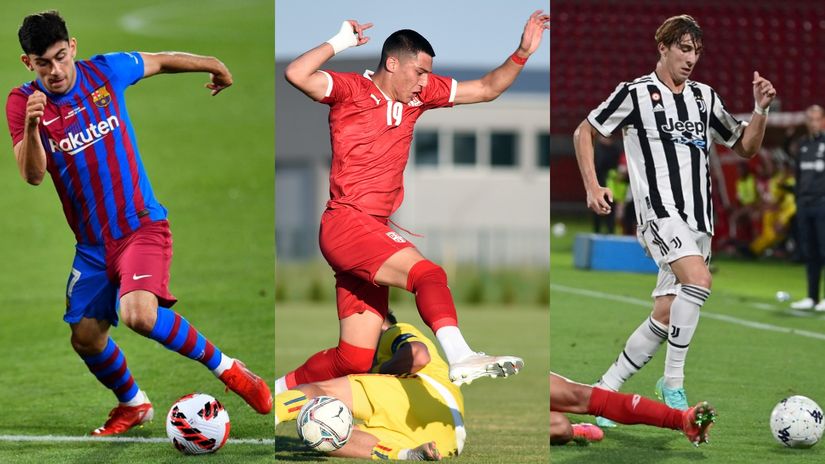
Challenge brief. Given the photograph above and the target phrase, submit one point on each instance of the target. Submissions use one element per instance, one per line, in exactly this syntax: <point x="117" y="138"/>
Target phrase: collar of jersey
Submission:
<point x="368" y="74"/>
<point x="62" y="98"/>
<point x="656" y="77"/>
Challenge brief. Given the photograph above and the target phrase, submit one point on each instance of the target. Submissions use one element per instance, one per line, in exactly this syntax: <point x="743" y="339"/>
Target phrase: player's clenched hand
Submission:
<point x="599" y="200"/>
<point x="219" y="80"/>
<point x="35" y="106"/>
<point x="533" y="30"/>
<point x="763" y="91"/>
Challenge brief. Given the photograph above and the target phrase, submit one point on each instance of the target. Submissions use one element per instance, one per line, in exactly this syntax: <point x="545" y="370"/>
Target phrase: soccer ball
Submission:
<point x="325" y="424"/>
<point x="797" y="422"/>
<point x="197" y="424"/>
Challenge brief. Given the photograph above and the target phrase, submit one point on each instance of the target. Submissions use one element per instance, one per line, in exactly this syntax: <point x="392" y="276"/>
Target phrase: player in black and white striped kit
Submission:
<point x="668" y="123"/>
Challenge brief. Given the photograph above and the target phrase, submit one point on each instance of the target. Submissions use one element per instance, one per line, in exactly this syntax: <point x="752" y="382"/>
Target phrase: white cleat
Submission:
<point x="803" y="304"/>
<point x="479" y="365"/>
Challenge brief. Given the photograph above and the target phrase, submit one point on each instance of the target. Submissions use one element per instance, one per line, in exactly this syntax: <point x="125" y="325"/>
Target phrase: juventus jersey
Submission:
<point x="667" y="141"/>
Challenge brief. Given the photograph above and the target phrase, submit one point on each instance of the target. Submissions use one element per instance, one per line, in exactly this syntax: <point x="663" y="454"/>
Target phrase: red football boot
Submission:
<point x="248" y="386"/>
<point x="587" y="432"/>
<point x="123" y="418"/>
<point x="696" y="422"/>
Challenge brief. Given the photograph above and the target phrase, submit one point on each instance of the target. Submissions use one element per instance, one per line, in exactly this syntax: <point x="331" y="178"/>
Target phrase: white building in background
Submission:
<point x="477" y="183"/>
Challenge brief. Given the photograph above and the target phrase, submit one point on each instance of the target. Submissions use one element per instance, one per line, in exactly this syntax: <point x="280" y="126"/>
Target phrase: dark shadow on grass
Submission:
<point x="633" y="448"/>
<point x="293" y="449"/>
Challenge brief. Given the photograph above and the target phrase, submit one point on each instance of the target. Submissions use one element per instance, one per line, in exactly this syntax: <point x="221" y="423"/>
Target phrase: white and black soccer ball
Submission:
<point x="197" y="424"/>
<point x="797" y="422"/>
<point x="325" y="424"/>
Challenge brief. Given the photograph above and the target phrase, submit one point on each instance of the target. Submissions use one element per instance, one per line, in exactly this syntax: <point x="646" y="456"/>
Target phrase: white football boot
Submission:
<point x="804" y="304"/>
<point x="479" y="365"/>
<point x="820" y="307"/>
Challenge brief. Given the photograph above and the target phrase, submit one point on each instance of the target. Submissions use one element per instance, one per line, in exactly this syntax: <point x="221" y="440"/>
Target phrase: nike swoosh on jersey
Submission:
<point x="46" y="123"/>
<point x="142" y="276"/>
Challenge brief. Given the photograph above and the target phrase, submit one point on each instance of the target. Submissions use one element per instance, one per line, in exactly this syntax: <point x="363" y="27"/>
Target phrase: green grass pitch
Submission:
<point x="748" y="353"/>
<point x="210" y="160"/>
<point x="506" y="419"/>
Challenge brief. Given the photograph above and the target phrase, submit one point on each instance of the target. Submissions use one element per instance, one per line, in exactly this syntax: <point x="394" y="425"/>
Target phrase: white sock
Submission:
<point x="280" y="386"/>
<point x="684" y="317"/>
<point x="140" y="398"/>
<point x="639" y="349"/>
<point x="403" y="454"/>
<point x="226" y="363"/>
<point x="453" y="344"/>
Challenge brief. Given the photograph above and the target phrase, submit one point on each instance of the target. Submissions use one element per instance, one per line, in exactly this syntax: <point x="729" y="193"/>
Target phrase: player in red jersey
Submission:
<point x="371" y="127"/>
<point x="567" y="396"/>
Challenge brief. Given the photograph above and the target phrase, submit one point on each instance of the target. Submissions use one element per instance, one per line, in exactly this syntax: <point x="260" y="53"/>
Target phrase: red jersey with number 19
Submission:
<point x="371" y="136"/>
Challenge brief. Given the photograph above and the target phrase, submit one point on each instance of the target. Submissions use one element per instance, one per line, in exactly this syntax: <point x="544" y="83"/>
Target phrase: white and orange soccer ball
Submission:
<point x="325" y="424"/>
<point x="797" y="422"/>
<point x="197" y="424"/>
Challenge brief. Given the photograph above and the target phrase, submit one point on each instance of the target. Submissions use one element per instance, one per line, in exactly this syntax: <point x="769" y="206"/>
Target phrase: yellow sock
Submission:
<point x="384" y="451"/>
<point x="288" y="404"/>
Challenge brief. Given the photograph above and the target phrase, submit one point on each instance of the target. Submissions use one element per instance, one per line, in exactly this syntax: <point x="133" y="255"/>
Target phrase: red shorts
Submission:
<point x="141" y="261"/>
<point x="356" y="244"/>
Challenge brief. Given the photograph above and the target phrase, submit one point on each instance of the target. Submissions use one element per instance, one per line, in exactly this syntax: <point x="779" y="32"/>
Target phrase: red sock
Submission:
<point x="432" y="296"/>
<point x="633" y="409"/>
<point x="336" y="362"/>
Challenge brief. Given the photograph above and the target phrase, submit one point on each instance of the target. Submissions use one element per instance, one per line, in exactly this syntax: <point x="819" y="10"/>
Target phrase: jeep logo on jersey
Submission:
<point x="697" y="128"/>
<point x="677" y="129"/>
<point x="76" y="142"/>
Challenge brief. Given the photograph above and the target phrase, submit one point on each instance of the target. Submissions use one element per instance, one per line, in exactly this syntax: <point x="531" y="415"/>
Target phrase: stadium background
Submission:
<point x="750" y="350"/>
<point x="210" y="162"/>
<point x="476" y="188"/>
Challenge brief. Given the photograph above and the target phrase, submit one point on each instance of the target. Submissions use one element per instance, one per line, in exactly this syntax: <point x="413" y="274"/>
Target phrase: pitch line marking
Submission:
<point x="705" y="313"/>
<point x="89" y="439"/>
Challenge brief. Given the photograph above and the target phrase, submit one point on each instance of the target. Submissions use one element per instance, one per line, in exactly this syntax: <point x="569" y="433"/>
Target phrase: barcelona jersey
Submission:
<point x="91" y="149"/>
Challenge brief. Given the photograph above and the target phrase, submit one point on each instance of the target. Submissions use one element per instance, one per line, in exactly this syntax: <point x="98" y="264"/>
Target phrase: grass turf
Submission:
<point x="743" y="370"/>
<point x="506" y="419"/>
<point x="210" y="160"/>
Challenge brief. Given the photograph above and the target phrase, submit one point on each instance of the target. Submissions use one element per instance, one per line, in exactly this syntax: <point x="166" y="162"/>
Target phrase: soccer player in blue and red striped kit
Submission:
<point x="72" y="122"/>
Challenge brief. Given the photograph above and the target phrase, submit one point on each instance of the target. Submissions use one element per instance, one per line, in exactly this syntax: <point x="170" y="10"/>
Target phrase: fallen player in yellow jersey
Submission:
<point x="409" y="408"/>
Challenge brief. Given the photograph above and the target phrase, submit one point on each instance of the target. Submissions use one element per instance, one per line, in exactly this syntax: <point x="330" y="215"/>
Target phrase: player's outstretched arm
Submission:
<point x="409" y="358"/>
<point x="763" y="95"/>
<point x="29" y="152"/>
<point x="498" y="80"/>
<point x="598" y="198"/>
<point x="303" y="73"/>
<point x="177" y="62"/>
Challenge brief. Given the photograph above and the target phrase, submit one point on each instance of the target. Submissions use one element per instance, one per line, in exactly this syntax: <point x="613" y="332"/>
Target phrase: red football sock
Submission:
<point x="633" y="409"/>
<point x="432" y="296"/>
<point x="336" y="362"/>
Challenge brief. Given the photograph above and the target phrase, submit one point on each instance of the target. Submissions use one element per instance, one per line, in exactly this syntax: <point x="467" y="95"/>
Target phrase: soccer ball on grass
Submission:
<point x="325" y="424"/>
<point x="797" y="422"/>
<point x="197" y="424"/>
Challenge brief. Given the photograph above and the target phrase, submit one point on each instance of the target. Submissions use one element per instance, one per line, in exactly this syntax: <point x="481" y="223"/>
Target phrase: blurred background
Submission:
<point x="477" y="186"/>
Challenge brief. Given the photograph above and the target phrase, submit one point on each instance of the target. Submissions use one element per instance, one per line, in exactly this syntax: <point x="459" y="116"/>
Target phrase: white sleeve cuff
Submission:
<point x="453" y="89"/>
<point x="329" y="83"/>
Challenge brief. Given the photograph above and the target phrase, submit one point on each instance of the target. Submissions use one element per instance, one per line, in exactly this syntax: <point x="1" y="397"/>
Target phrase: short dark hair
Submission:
<point x="674" y="28"/>
<point x="391" y="317"/>
<point x="40" y="31"/>
<point x="405" y="41"/>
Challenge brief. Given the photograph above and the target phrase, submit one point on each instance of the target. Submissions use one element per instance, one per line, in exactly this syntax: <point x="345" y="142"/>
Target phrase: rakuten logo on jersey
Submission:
<point x="77" y="142"/>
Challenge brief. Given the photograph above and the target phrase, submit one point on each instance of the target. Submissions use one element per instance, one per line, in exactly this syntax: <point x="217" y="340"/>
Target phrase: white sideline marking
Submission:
<point x="705" y="313"/>
<point x="63" y="438"/>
